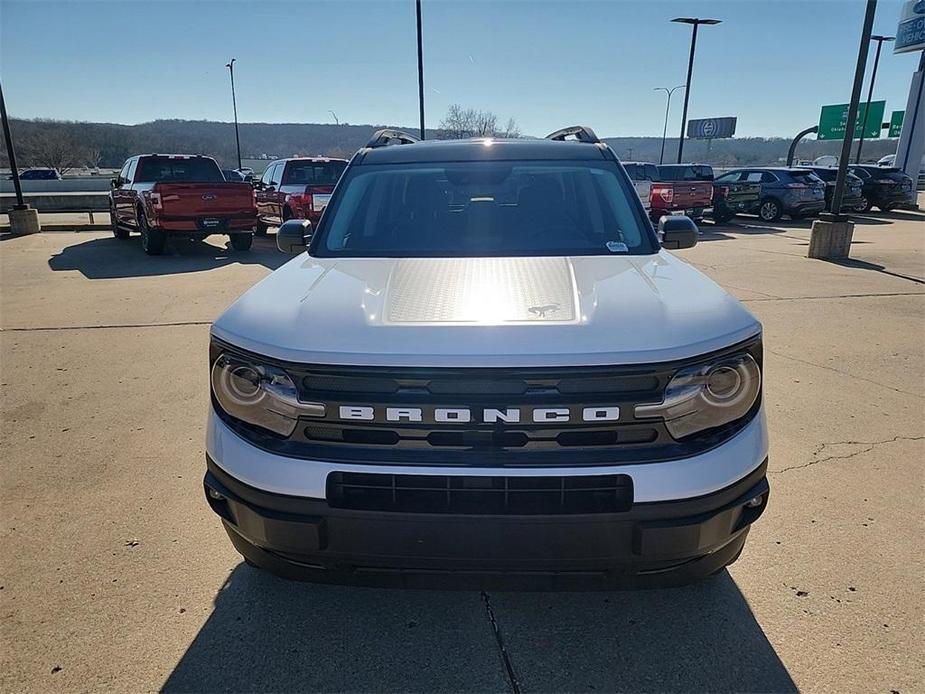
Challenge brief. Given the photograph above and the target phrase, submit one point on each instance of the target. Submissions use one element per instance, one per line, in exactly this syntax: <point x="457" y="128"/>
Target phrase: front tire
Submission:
<point x="864" y="206"/>
<point x="153" y="241"/>
<point x="887" y="208"/>
<point x="770" y="210"/>
<point x="261" y="229"/>
<point x="241" y="242"/>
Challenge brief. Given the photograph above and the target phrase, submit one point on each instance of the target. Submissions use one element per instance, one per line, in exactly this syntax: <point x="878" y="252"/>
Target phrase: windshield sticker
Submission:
<point x="617" y="247"/>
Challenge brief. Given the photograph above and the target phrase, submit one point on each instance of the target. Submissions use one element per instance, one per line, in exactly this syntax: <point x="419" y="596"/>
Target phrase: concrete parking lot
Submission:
<point x="116" y="576"/>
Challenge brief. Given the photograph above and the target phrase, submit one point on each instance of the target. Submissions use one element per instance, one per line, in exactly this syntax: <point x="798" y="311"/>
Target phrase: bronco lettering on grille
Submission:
<point x="488" y="415"/>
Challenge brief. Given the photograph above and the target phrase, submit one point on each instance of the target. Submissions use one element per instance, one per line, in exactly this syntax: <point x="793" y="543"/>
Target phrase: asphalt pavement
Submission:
<point x="116" y="576"/>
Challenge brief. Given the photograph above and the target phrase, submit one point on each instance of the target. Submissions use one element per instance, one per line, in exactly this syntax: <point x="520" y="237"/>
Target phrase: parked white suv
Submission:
<point x="485" y="368"/>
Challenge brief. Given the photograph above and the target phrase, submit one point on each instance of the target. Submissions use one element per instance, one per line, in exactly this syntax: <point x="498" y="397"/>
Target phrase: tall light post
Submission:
<point x="234" y="104"/>
<point x="420" y="67"/>
<point x="695" y="22"/>
<point x="335" y="116"/>
<point x="669" y="92"/>
<point x="873" y="76"/>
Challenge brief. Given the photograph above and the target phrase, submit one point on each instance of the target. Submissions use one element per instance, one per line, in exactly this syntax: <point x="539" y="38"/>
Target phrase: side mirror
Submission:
<point x="677" y="231"/>
<point x="116" y="182"/>
<point x="293" y="236"/>
<point x="257" y="183"/>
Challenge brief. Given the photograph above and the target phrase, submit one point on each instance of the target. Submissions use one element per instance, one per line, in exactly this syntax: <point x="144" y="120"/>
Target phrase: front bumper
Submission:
<point x="651" y="545"/>
<point x="688" y="518"/>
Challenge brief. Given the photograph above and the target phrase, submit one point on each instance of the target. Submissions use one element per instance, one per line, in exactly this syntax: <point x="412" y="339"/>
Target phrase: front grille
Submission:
<point x="475" y="495"/>
<point x="432" y="441"/>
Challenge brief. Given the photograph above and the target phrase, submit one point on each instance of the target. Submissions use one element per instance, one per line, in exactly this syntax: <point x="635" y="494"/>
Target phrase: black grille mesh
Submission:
<point x="480" y="495"/>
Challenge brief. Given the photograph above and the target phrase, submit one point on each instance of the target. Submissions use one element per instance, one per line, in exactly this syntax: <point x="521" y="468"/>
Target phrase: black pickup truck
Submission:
<point x="733" y="194"/>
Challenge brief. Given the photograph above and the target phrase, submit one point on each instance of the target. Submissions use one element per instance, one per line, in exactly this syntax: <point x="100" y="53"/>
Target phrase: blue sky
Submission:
<point x="772" y="63"/>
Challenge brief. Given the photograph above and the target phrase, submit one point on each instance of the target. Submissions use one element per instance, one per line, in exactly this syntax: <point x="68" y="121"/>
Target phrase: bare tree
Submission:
<point x="55" y="148"/>
<point x="462" y="122"/>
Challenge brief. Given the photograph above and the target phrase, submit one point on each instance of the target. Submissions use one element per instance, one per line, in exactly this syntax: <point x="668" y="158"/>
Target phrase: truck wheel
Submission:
<point x="770" y="210"/>
<point x="241" y="242"/>
<point x="117" y="231"/>
<point x="152" y="240"/>
<point x="863" y="206"/>
<point x="722" y="217"/>
<point x="261" y="229"/>
<point x="887" y="208"/>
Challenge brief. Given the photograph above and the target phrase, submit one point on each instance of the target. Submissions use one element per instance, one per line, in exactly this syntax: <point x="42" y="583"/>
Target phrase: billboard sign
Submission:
<point x="833" y="119"/>
<point x="711" y="128"/>
<point x="896" y="123"/>
<point x="910" y="34"/>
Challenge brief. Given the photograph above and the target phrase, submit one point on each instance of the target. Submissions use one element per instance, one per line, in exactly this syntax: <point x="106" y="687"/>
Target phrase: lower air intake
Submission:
<point x="478" y="495"/>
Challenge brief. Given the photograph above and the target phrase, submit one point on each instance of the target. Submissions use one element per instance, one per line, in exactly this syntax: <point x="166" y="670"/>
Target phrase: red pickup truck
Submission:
<point x="296" y="188"/>
<point x="161" y="195"/>
<point x="686" y="188"/>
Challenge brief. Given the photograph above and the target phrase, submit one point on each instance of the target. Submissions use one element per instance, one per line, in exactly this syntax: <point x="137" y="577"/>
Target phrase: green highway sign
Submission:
<point x="896" y="123"/>
<point x="833" y="119"/>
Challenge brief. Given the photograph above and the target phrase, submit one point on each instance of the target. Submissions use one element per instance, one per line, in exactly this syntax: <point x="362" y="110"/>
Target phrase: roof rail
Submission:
<point x="582" y="133"/>
<point x="381" y="138"/>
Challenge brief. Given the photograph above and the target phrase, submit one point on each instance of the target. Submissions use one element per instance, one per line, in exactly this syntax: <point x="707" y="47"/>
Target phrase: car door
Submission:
<point x="261" y="193"/>
<point x="277" y="197"/>
<point x="129" y="194"/>
<point x="122" y="195"/>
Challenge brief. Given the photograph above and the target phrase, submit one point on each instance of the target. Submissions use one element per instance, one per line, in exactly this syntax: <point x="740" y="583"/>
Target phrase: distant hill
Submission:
<point x="65" y="144"/>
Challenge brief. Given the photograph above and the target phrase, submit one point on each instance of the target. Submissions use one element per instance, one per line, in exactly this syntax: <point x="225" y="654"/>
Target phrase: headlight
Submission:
<point x="707" y="396"/>
<point x="259" y="394"/>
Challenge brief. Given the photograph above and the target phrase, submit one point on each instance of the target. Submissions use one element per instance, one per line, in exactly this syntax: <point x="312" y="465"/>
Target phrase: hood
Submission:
<point x="557" y="311"/>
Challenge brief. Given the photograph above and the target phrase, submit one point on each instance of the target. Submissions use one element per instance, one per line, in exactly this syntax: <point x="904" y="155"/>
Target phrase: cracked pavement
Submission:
<point x="117" y="577"/>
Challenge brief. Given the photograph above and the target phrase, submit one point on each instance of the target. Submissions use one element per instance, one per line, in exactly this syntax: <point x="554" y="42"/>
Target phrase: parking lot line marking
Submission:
<point x="26" y="329"/>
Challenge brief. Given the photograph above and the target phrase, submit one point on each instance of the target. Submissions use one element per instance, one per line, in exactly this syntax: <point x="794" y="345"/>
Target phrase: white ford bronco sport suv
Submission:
<point x="485" y="370"/>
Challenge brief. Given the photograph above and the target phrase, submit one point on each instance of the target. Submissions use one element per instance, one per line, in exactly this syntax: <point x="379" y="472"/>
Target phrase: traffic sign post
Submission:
<point x="833" y="120"/>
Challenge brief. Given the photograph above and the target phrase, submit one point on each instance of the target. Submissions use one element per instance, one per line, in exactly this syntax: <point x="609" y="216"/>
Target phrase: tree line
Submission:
<point x="66" y="145"/>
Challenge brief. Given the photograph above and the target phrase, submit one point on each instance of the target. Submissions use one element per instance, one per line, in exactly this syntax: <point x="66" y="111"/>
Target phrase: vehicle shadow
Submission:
<point x="270" y="635"/>
<point x="110" y="258"/>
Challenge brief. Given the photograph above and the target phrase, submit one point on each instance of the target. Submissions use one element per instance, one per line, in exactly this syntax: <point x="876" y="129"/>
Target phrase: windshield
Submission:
<point x="476" y="209"/>
<point x="177" y="170"/>
<point x="314" y="173"/>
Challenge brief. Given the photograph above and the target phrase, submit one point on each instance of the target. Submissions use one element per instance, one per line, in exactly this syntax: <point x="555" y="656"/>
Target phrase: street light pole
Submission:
<point x="420" y="67"/>
<point x="695" y="22"/>
<point x="863" y="50"/>
<point x="234" y="104"/>
<point x="11" y="153"/>
<point x="873" y="76"/>
<point x="669" y="92"/>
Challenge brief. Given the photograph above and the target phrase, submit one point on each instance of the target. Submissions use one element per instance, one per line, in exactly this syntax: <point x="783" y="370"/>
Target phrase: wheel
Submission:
<point x="241" y="242"/>
<point x="770" y="210"/>
<point x="887" y="208"/>
<point x="152" y="240"/>
<point x="722" y="217"/>
<point x="261" y="229"/>
<point x="864" y="205"/>
<point x="119" y="232"/>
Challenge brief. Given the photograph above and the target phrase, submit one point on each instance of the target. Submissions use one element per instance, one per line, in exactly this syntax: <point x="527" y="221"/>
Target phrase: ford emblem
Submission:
<point x="208" y="196"/>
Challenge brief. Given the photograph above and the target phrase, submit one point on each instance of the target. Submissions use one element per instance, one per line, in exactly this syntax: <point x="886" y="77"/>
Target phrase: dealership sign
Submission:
<point x="910" y="34"/>
<point x="833" y="119"/>
<point x="710" y="128"/>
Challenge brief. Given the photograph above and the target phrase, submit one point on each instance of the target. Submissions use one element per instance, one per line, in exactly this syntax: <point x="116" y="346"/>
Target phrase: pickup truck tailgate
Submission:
<point x="742" y="196"/>
<point x="692" y="194"/>
<point x="204" y="200"/>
